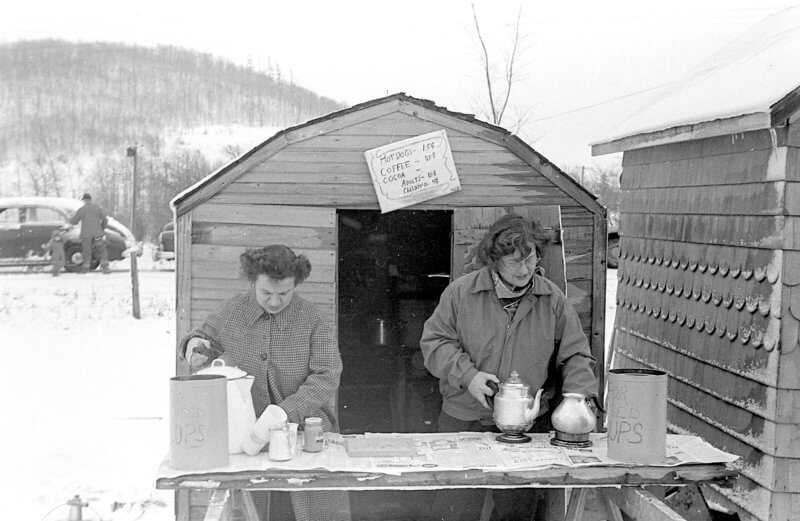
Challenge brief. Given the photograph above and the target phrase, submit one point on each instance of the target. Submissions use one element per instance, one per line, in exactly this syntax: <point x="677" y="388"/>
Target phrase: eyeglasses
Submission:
<point x="516" y="265"/>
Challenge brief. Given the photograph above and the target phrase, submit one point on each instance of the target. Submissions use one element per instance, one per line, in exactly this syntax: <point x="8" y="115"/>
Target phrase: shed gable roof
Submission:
<point x="752" y="83"/>
<point x="400" y="102"/>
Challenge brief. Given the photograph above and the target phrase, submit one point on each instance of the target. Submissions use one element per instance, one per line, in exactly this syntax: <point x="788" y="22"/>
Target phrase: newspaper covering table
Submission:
<point x="462" y="451"/>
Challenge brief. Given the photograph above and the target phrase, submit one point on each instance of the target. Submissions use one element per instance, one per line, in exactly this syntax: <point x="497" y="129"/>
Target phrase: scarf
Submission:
<point x="509" y="294"/>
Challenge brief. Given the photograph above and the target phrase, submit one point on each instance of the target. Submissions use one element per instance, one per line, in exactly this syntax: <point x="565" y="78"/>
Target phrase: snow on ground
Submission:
<point x="217" y="140"/>
<point x="85" y="392"/>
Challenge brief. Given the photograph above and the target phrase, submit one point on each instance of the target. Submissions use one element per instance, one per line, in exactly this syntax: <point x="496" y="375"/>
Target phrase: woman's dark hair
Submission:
<point x="510" y="233"/>
<point x="276" y="261"/>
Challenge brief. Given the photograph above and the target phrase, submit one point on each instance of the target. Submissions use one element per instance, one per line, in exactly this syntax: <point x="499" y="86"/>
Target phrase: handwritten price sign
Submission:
<point x="412" y="171"/>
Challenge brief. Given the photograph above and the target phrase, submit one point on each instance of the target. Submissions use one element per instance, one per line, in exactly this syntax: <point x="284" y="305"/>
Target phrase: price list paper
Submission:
<point x="413" y="170"/>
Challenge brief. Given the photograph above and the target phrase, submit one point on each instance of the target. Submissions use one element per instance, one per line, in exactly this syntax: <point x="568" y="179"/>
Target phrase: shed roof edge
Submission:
<point x="688" y="132"/>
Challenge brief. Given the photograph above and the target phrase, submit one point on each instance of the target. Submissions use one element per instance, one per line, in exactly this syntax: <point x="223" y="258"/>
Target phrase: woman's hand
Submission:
<point x="477" y="387"/>
<point x="197" y="352"/>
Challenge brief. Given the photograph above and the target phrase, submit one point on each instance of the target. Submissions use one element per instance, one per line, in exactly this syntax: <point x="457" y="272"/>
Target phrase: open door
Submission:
<point x="471" y="223"/>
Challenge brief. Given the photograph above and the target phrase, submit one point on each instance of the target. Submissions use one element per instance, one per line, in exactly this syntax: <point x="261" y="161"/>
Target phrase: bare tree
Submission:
<point x="232" y="151"/>
<point x="499" y="90"/>
<point x="602" y="181"/>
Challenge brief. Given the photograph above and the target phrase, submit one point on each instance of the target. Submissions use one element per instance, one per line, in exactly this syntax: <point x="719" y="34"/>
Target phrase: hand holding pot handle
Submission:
<point x="480" y="387"/>
<point x="197" y="351"/>
<point x="490" y="398"/>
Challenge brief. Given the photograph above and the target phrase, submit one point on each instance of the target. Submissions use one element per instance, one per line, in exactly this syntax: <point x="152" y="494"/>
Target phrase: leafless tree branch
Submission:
<point x="486" y="68"/>
<point x="510" y="66"/>
<point x="499" y="95"/>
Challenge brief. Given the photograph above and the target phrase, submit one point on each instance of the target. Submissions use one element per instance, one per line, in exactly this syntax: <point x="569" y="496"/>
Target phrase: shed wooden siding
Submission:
<point x="330" y="170"/>
<point x="708" y="278"/>
<point x="221" y="232"/>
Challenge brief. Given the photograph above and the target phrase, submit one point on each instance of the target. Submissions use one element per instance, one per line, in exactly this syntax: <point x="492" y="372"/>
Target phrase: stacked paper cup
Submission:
<point x="272" y="417"/>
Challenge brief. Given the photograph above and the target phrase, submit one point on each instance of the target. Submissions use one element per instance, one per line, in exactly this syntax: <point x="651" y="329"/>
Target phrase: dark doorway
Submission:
<point x="392" y="269"/>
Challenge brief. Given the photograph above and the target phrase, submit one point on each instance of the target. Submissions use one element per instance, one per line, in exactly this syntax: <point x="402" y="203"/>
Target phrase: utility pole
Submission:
<point x="134" y="249"/>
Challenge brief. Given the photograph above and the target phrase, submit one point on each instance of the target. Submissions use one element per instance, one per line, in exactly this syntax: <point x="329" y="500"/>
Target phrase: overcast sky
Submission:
<point x="575" y="54"/>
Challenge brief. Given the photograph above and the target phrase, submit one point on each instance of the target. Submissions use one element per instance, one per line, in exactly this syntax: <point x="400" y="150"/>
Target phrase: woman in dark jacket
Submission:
<point x="503" y="317"/>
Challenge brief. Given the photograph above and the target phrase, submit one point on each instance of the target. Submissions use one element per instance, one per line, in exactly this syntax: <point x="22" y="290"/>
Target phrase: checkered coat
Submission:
<point x="293" y="355"/>
<point x="295" y="360"/>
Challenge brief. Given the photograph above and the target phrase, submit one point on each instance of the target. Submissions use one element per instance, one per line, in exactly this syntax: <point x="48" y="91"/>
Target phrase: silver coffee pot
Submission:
<point x="514" y="408"/>
<point x="573" y="420"/>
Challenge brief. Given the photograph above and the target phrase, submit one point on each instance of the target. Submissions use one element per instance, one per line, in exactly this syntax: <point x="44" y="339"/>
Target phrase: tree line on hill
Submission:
<point x="70" y="111"/>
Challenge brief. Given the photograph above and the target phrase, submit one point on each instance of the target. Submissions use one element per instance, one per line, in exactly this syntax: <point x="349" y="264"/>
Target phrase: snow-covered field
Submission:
<point x="85" y="392"/>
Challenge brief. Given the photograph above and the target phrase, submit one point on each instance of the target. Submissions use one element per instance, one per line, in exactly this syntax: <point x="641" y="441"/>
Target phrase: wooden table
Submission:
<point x="621" y="487"/>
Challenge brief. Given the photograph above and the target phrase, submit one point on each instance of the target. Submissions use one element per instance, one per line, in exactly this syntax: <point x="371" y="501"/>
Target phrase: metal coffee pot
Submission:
<point x="514" y="408"/>
<point x="573" y="420"/>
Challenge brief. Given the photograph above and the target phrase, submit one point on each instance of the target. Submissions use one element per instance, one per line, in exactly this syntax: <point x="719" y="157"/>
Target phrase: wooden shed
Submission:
<point x="379" y="275"/>
<point x="709" y="273"/>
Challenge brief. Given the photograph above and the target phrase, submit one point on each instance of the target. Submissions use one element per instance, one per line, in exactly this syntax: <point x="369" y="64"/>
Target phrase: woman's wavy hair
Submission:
<point x="510" y="233"/>
<point x="276" y="261"/>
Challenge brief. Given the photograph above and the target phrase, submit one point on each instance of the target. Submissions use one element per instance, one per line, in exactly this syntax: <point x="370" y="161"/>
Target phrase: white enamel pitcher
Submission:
<point x="241" y="413"/>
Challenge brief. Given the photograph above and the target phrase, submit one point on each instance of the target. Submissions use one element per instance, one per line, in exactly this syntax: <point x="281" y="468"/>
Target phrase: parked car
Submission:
<point x="165" y="250"/>
<point x="26" y="224"/>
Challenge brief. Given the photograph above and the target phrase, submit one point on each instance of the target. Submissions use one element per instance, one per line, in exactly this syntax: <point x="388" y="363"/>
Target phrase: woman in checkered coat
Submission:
<point x="287" y="345"/>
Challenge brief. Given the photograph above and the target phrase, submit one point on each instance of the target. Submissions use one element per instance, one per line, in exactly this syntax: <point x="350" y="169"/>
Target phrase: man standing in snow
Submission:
<point x="93" y="238"/>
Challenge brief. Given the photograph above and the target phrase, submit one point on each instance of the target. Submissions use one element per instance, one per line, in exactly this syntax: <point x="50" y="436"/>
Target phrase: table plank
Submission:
<point x="554" y="477"/>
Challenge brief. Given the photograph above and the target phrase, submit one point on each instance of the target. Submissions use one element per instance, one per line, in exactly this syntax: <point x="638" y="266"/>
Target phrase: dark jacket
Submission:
<point x="93" y="220"/>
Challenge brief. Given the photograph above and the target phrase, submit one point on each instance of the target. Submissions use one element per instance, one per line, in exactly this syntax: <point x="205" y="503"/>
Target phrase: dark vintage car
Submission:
<point x="27" y="223"/>
<point x="165" y="249"/>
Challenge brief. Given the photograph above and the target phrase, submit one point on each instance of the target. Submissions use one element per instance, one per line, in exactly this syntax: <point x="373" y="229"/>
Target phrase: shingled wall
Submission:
<point x="708" y="292"/>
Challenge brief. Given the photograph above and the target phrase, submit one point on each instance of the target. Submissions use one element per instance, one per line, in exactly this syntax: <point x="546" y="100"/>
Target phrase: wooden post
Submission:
<point x="135" y="248"/>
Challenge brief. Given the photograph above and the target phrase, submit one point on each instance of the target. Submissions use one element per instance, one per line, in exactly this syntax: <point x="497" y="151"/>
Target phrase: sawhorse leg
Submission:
<point x="577" y="505"/>
<point x="250" y="511"/>
<point x="638" y="503"/>
<point x="219" y="507"/>
<point x="555" y="503"/>
<point x="553" y="508"/>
